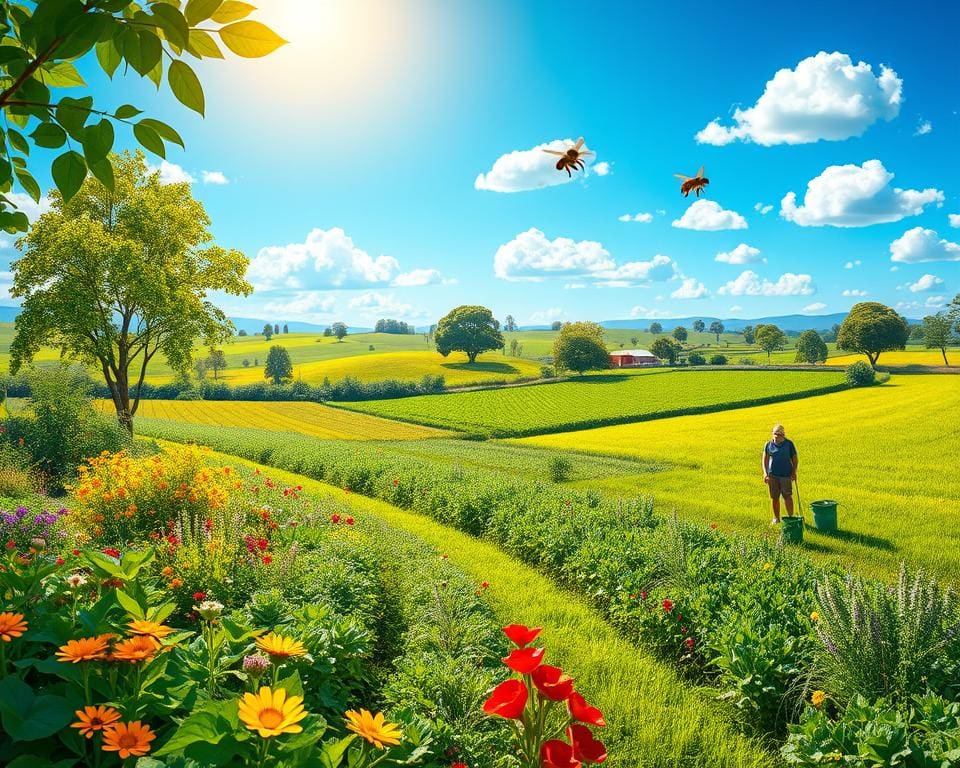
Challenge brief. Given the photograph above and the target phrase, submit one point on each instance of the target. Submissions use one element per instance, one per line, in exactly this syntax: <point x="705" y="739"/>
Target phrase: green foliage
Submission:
<point x="695" y="358"/>
<point x="770" y="338"/>
<point x="716" y="328"/>
<point x="680" y="333"/>
<point x="115" y="277"/>
<point x="936" y="332"/>
<point x="811" y="348"/>
<point x="718" y="359"/>
<point x="560" y="469"/>
<point x="872" y="328"/>
<point x="666" y="349"/>
<point x="40" y="44"/>
<point x="339" y="330"/>
<point x="279" y="367"/>
<point x="656" y="328"/>
<point x="699" y="326"/>
<point x="860" y="374"/>
<point x="749" y="334"/>
<point x="580" y="347"/>
<point x="469" y="329"/>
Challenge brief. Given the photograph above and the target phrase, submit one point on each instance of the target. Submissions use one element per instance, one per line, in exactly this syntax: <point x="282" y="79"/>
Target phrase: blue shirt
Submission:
<point x="780" y="458"/>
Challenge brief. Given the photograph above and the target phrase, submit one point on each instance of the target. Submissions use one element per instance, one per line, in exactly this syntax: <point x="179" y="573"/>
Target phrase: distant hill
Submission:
<point x="784" y="322"/>
<point x="253" y="325"/>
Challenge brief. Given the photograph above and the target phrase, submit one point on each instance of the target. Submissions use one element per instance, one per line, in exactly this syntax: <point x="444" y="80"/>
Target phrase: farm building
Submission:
<point x="627" y="358"/>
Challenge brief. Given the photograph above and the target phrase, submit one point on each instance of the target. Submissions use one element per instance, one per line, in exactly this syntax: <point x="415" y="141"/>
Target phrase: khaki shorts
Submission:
<point x="780" y="486"/>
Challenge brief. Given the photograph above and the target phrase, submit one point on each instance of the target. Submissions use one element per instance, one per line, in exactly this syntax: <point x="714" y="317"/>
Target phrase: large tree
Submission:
<point x="115" y="277"/>
<point x="770" y="338"/>
<point x="698" y="326"/>
<point x="680" y="333"/>
<point x="811" y="348"/>
<point x="872" y="328"/>
<point x="279" y="366"/>
<point x="468" y="328"/>
<point x="339" y="330"/>
<point x="42" y="40"/>
<point x="509" y="324"/>
<point x="656" y="328"/>
<point x="580" y="347"/>
<point x="216" y="361"/>
<point x="953" y="312"/>
<point x="666" y="349"/>
<point x="936" y="333"/>
<point x="749" y="334"/>
<point x="716" y="328"/>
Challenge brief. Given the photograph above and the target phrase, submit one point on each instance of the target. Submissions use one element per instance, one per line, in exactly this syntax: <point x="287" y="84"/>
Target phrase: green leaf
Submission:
<point x="49" y="135"/>
<point x="232" y="10"/>
<point x="97" y="140"/>
<point x="203" y="45"/>
<point x="103" y="172"/>
<point x="6" y="171"/>
<point x="109" y="57"/>
<point x="9" y="53"/>
<point x="62" y="75"/>
<point x="17" y="141"/>
<point x="171" y="21"/>
<point x="130" y="605"/>
<point x="250" y="39"/>
<point x="29" y="184"/>
<point x="156" y="74"/>
<point x="200" y="10"/>
<point x="143" y="50"/>
<point x="72" y="114"/>
<point x="27" y="717"/>
<point x="333" y="751"/>
<point x="186" y="85"/>
<point x="12" y="222"/>
<point x="292" y="684"/>
<point x="163" y="130"/>
<point x="134" y="559"/>
<point x="126" y="111"/>
<point x="149" y="139"/>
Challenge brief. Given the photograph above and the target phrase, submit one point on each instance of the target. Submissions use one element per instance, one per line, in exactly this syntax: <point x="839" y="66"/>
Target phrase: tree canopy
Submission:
<point x="40" y="44"/>
<point x="871" y="328"/>
<point x="114" y="277"/>
<point x="680" y="333"/>
<point x="937" y="333"/>
<point x="580" y="347"/>
<point x="279" y="366"/>
<point x="468" y="328"/>
<point x="656" y="328"/>
<point x="666" y="349"/>
<point x="699" y="325"/>
<point x="749" y="334"/>
<point x="339" y="330"/>
<point x="770" y="338"/>
<point x="811" y="348"/>
<point x="716" y="328"/>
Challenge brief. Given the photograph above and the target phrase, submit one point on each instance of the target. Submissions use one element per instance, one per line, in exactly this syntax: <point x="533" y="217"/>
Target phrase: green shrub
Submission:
<point x="746" y="361"/>
<point x="695" y="358"/>
<point x="718" y="360"/>
<point x="547" y="372"/>
<point x="560" y="469"/>
<point x="860" y="374"/>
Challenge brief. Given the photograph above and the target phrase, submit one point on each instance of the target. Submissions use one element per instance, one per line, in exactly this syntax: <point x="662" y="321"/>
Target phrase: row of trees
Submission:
<point x="393" y="326"/>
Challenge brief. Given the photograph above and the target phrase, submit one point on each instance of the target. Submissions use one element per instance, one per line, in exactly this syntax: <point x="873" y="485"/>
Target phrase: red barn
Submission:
<point x="631" y="358"/>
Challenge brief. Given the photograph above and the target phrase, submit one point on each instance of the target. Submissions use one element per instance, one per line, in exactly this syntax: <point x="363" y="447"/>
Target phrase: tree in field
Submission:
<point x="556" y="325"/>
<point x="699" y="325"/>
<point x="217" y="361"/>
<point x="276" y="329"/>
<point x="770" y="339"/>
<point x="509" y="324"/>
<point x="279" y="367"/>
<point x="200" y="368"/>
<point x="666" y="349"/>
<point x="871" y="328"/>
<point x="634" y="340"/>
<point x="936" y="333"/>
<point x="241" y="332"/>
<point x="916" y="332"/>
<point x="656" y="328"/>
<point x="40" y="41"/>
<point x="716" y="328"/>
<point x="811" y="348"/>
<point x="579" y="347"/>
<point x="339" y="330"/>
<point x="113" y="278"/>
<point x="468" y="328"/>
<point x="953" y="312"/>
<point x="267" y="331"/>
<point x="749" y="334"/>
<point x="285" y="328"/>
<point x="246" y="362"/>
<point x="680" y="333"/>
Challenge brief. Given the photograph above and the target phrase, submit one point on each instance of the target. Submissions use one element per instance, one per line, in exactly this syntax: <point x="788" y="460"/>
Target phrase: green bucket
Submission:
<point x="824" y="515"/>
<point x="791" y="531"/>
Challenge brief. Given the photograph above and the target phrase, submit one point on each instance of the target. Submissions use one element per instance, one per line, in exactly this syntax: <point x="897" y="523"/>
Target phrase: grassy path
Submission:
<point x="655" y="720"/>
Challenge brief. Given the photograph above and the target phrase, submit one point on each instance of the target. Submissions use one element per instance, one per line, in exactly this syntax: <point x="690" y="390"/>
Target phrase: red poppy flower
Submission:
<point x="552" y="682"/>
<point x="174" y="540"/>
<point x="11" y="544"/>
<point x="60" y="561"/>
<point x="199" y="595"/>
<point x="267" y="559"/>
<point x="525" y="660"/>
<point x="558" y="754"/>
<point x="521" y="635"/>
<point x="668" y="605"/>
<point x="112" y="552"/>
<point x="208" y="524"/>
<point x="643" y="595"/>
<point x="585" y="747"/>
<point x="334" y="519"/>
<point x="507" y="700"/>
<point x="75" y="553"/>
<point x="484" y="585"/>
<point x="583" y="712"/>
<point x="459" y="765"/>
<point x="349" y="521"/>
<point x="690" y="643"/>
<point x="299" y="487"/>
<point x="262" y="544"/>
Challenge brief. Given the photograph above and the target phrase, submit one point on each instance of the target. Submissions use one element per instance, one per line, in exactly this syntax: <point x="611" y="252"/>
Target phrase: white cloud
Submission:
<point x="926" y="283"/>
<point x="662" y="211"/>
<point x="894" y="268"/>
<point x="171" y="173"/>
<point x="749" y="283"/>
<point x="374" y="304"/>
<point x="602" y="168"/>
<point x="26" y="204"/>
<point x="326" y="259"/>
<point x="931" y="303"/>
<point x="574" y="286"/>
<point x="527" y="169"/>
<point x="634" y="273"/>
<point x="214" y="177"/>
<point x="707" y="215"/>
<point x="856" y="292"/>
<point x="302" y="303"/>
<point x="827" y="97"/>
<point x="953" y="218"/>
<point x="815" y="307"/>
<point x="530" y="256"/>
<point x="762" y="209"/>
<point x="852" y="264"/>
<point x="643" y="218"/>
<point x="923" y="128"/>
<point x="735" y="308"/>
<point x="418" y="277"/>
<point x="642" y="312"/>
<point x="546" y="315"/>
<point x="742" y="254"/>
<point x="919" y="244"/>
<point x="691" y="288"/>
<point x="855" y="196"/>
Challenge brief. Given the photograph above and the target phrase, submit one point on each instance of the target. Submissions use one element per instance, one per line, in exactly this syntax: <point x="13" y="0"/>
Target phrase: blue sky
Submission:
<point x="353" y="158"/>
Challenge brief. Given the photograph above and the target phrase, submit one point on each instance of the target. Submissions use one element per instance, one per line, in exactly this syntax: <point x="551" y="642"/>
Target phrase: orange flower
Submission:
<point x="139" y="648"/>
<point x="175" y="583"/>
<point x="128" y="739"/>
<point x="168" y="571"/>
<point x="90" y="719"/>
<point x="84" y="649"/>
<point x="150" y="628"/>
<point x="11" y="625"/>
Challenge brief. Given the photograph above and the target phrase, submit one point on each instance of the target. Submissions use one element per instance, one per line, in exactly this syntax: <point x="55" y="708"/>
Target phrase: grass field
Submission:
<point x="605" y="398"/>
<point x="885" y="453"/>
<point x="925" y="357"/>
<point x="310" y="419"/>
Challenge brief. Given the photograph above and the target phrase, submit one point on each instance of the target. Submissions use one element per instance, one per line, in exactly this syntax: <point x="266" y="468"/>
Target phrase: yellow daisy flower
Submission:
<point x="373" y="728"/>
<point x="271" y="712"/>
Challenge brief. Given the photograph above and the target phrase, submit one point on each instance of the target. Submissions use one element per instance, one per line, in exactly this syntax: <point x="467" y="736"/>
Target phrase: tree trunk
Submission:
<point x="943" y="351"/>
<point x="873" y="359"/>
<point x="472" y="357"/>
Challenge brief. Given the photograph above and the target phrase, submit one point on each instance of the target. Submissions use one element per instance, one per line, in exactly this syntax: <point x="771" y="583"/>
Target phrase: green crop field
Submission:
<point x="607" y="398"/>
<point x="884" y="453"/>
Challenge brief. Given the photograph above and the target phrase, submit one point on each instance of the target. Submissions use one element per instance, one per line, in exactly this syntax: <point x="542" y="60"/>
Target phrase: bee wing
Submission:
<point x="700" y="173"/>
<point x="579" y="144"/>
<point x="587" y="152"/>
<point x="681" y="176"/>
<point x="554" y="152"/>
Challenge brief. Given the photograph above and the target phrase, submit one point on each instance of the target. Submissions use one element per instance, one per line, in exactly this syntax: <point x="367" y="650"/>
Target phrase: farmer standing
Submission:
<point x="780" y="470"/>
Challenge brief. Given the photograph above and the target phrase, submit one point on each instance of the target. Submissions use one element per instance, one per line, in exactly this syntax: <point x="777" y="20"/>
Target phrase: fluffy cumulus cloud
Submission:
<point x="707" y="215"/>
<point x="817" y="306"/>
<point x="690" y="288"/>
<point x="374" y="305"/>
<point x="826" y="97"/>
<point x="931" y="303"/>
<point x="852" y="264"/>
<point x="526" y="169"/>
<point x="854" y="293"/>
<point x="546" y="315"/>
<point x="855" y="196"/>
<point x="640" y="312"/>
<point x="214" y="177"/>
<point x="603" y="168"/>
<point x="419" y="277"/>
<point x="306" y="304"/>
<point x="636" y="273"/>
<point x="953" y="218"/>
<point x="26" y="204"/>
<point x="742" y="254"/>
<point x="926" y="283"/>
<point x="923" y="128"/>
<point x="919" y="244"/>
<point x="762" y="209"/>
<point x="643" y="218"/>
<point x="532" y="256"/>
<point x="749" y="283"/>
<point x="326" y="259"/>
<point x="171" y="173"/>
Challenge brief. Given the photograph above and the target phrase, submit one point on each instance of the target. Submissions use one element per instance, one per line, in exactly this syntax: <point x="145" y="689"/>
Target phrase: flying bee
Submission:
<point x="572" y="158"/>
<point x="690" y="184"/>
